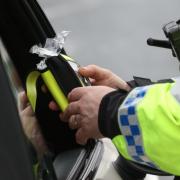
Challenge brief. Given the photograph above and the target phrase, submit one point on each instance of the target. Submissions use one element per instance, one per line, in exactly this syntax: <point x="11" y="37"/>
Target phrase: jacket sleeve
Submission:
<point x="144" y="124"/>
<point x="108" y="110"/>
<point x="110" y="103"/>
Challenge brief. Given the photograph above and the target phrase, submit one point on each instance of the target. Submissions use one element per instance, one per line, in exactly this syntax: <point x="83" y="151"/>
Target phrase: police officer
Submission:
<point x="141" y="117"/>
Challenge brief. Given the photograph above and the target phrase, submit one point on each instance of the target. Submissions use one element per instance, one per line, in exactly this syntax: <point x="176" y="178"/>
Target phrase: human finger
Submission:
<point x="93" y="71"/>
<point x="76" y="93"/>
<point x="81" y="137"/>
<point x="28" y="111"/>
<point x="75" y="121"/>
<point x="72" y="109"/>
<point x="23" y="100"/>
<point x="53" y="106"/>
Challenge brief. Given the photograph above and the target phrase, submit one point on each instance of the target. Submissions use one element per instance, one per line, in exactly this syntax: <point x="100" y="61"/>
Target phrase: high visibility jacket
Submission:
<point x="144" y="124"/>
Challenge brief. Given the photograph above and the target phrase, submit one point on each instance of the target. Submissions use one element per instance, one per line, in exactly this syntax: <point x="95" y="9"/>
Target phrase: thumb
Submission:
<point x="92" y="71"/>
<point x="81" y="137"/>
<point x="23" y="100"/>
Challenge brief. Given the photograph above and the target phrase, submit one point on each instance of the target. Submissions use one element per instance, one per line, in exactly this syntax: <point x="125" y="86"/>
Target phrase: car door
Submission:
<point x="23" y="24"/>
<point x="15" y="160"/>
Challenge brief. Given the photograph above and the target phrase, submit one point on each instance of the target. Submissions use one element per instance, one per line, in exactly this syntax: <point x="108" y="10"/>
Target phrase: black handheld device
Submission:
<point x="60" y="75"/>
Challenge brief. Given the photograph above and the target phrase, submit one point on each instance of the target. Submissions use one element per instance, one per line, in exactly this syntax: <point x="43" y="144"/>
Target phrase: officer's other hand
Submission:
<point x="82" y="112"/>
<point x="103" y="77"/>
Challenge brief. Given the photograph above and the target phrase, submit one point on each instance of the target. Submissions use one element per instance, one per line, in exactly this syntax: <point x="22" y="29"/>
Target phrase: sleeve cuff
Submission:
<point x="107" y="120"/>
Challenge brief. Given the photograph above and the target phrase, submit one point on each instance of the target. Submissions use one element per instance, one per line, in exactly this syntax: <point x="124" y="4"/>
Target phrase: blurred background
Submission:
<point x="113" y="34"/>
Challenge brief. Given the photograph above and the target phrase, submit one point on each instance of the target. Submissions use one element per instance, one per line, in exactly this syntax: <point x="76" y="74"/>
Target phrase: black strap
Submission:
<point x="139" y="81"/>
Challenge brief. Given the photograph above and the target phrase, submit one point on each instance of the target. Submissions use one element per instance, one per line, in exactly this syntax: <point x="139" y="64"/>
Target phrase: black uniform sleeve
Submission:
<point x="108" y="110"/>
<point x="107" y="119"/>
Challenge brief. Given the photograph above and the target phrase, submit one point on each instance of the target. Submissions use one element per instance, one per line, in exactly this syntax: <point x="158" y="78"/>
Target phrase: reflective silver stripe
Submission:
<point x="129" y="126"/>
<point x="175" y="90"/>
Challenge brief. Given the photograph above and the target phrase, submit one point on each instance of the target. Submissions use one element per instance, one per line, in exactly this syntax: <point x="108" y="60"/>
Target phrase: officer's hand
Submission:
<point x="30" y="125"/>
<point x="82" y="112"/>
<point x="98" y="77"/>
<point x="103" y="77"/>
